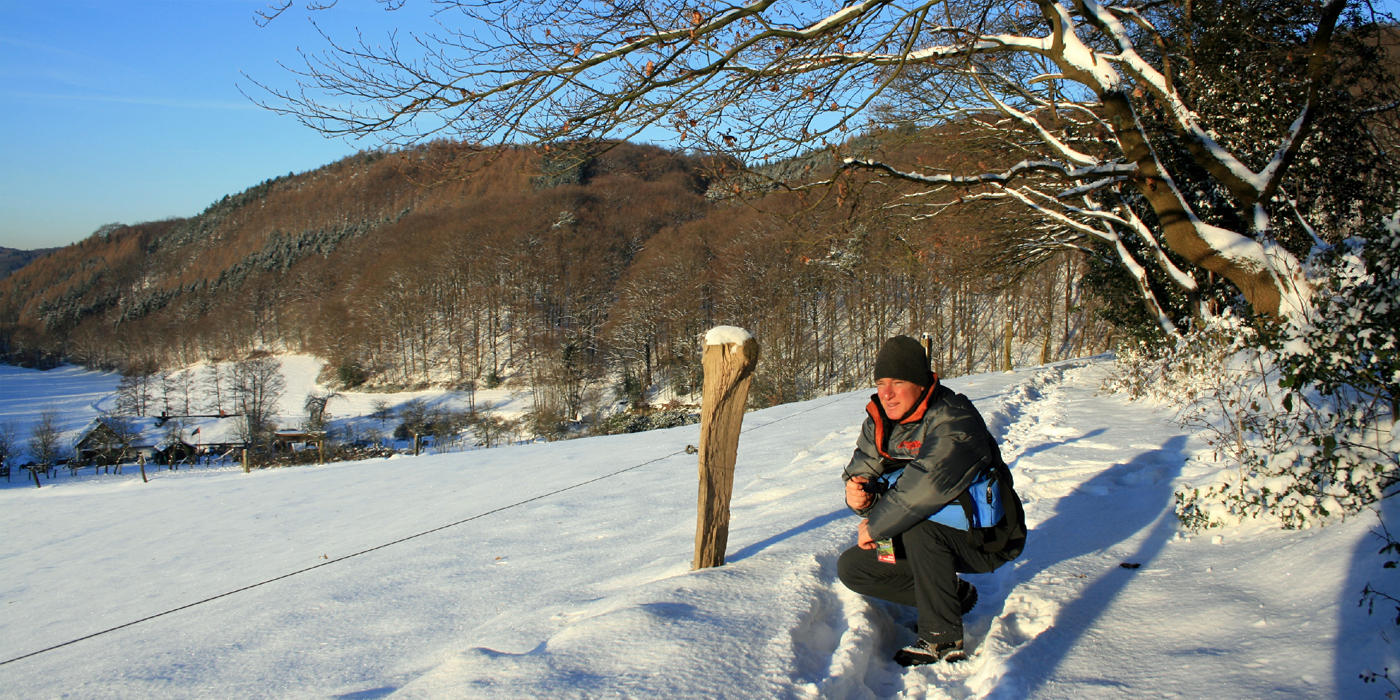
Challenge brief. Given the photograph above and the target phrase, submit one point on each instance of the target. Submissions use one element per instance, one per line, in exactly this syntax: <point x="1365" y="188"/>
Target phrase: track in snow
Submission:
<point x="851" y="639"/>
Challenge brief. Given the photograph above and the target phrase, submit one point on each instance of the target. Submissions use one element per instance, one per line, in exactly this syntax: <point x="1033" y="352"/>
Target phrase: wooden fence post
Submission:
<point x="730" y="357"/>
<point x="246" y="468"/>
<point x="142" y="460"/>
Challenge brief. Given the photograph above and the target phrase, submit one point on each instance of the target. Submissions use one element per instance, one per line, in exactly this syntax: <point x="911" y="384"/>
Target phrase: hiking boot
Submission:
<point x="921" y="653"/>
<point x="967" y="595"/>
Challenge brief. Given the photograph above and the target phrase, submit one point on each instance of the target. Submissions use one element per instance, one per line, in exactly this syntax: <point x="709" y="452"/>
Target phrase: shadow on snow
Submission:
<point x="1104" y="511"/>
<point x="813" y="524"/>
<point x="1361" y="637"/>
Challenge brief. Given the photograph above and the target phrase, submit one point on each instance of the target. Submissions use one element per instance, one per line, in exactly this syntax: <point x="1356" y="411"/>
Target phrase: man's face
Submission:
<point x="898" y="396"/>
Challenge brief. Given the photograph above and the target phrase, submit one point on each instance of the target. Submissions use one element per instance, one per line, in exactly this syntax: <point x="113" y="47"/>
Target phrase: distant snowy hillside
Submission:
<point x="561" y="570"/>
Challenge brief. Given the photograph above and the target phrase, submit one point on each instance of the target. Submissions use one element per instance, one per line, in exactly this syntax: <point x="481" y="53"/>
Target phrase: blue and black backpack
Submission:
<point x="991" y="492"/>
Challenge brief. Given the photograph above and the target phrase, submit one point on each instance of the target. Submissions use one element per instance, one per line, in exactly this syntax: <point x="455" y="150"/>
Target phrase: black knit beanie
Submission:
<point x="902" y="357"/>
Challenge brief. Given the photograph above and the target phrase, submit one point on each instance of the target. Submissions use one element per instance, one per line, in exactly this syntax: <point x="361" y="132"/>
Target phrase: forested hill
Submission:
<point x="12" y="259"/>
<point x="401" y="276"/>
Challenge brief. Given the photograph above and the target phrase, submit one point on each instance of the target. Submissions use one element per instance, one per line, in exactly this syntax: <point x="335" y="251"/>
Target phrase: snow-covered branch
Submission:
<point x="1021" y="169"/>
<point x="1091" y="187"/>
<point x="1246" y="184"/>
<point x="1051" y="140"/>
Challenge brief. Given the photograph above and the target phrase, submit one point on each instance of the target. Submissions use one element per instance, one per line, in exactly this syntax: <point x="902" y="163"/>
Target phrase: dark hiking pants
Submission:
<point x="924" y="576"/>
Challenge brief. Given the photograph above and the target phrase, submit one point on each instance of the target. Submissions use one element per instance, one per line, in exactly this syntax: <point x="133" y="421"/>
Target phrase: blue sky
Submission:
<point x="129" y="110"/>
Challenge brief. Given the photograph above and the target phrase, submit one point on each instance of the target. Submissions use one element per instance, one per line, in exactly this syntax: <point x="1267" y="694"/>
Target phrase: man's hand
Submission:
<point x="863" y="538"/>
<point x="856" y="496"/>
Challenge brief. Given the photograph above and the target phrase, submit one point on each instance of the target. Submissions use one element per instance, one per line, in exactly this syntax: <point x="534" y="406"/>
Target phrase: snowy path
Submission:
<point x="587" y="593"/>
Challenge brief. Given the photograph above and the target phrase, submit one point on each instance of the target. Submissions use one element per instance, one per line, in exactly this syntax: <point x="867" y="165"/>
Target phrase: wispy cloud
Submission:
<point x="176" y="102"/>
<point x="58" y="66"/>
<point x="44" y="48"/>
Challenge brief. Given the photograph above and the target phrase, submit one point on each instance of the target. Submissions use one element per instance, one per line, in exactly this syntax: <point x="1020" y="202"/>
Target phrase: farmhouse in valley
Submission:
<point x="110" y="439"/>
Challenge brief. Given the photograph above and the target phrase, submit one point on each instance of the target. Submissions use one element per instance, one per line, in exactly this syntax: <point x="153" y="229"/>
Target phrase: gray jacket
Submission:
<point x="942" y="446"/>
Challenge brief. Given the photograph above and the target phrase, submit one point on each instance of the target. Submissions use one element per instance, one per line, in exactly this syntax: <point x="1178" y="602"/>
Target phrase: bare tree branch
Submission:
<point x="1096" y="95"/>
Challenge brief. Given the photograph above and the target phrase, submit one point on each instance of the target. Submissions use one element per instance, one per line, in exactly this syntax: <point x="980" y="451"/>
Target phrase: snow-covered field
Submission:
<point x="77" y="396"/>
<point x="561" y="570"/>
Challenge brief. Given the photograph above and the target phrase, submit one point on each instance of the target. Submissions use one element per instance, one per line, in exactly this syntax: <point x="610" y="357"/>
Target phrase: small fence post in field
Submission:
<point x="1006" y="349"/>
<point x="730" y="357"/>
<point x="142" y="460"/>
<point x="246" y="468"/>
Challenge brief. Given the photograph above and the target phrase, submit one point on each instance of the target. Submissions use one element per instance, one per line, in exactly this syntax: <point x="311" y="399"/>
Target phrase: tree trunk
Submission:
<point x="728" y="370"/>
<point x="1006" y="348"/>
<point x="1047" y="311"/>
<point x="1240" y="259"/>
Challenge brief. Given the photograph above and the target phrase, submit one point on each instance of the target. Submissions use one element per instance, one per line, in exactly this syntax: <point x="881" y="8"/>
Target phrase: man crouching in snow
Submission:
<point x="943" y="510"/>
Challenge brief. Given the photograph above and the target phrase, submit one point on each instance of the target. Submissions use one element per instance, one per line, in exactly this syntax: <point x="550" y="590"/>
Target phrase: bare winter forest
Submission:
<point x="597" y="278"/>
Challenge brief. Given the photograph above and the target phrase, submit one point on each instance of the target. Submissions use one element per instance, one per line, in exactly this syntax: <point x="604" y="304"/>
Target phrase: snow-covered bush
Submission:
<point x="1295" y="455"/>
<point x="1310" y="423"/>
<point x="639" y="422"/>
<point x="1176" y="373"/>
<point x="1300" y="419"/>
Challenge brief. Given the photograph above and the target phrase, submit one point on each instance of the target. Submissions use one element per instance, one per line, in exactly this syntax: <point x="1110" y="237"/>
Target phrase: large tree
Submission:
<point x="258" y="386"/>
<point x="46" y="439"/>
<point x="1120" y="125"/>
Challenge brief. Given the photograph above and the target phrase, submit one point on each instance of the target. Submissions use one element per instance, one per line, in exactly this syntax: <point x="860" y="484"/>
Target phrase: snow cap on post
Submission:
<point x="727" y="335"/>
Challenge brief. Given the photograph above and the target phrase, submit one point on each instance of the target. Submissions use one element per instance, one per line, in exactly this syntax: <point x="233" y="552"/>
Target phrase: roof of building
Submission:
<point x="157" y="433"/>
